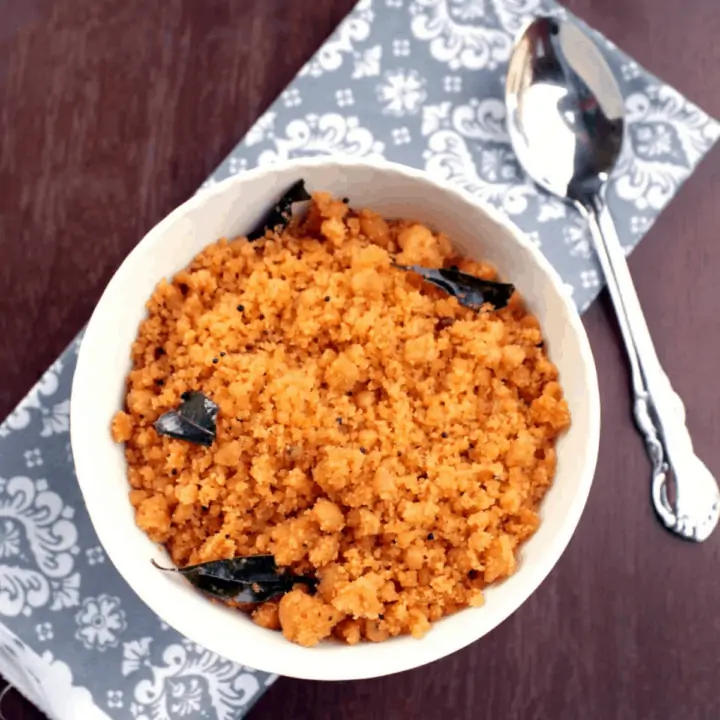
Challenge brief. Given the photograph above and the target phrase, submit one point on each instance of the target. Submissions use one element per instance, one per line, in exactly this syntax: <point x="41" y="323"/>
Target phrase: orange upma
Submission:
<point x="372" y="432"/>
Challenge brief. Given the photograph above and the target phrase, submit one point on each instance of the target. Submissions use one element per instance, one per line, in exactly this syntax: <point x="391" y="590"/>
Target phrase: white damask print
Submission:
<point x="401" y="92"/>
<point x="351" y="31"/>
<point x="115" y="698"/>
<point x="291" y="98"/>
<point x="467" y="9"/>
<point x="491" y="172"/>
<point x="576" y="236"/>
<point x="136" y="654"/>
<point x="44" y="631"/>
<point x="95" y="555"/>
<point x="45" y="680"/>
<point x="589" y="278"/>
<point x="46" y="386"/>
<point x="55" y="420"/>
<point x="236" y="165"/>
<point x="630" y="70"/>
<point x="469" y="146"/>
<point x="367" y="62"/>
<point x="9" y="539"/>
<point x="471" y="34"/>
<point x="549" y="207"/>
<point x="449" y="158"/>
<point x="401" y="136"/>
<point x="640" y="224"/>
<point x="452" y="83"/>
<point x="344" y="97"/>
<point x="667" y="137"/>
<point x="436" y="117"/>
<point x="37" y="539"/>
<point x="65" y="592"/>
<point x="190" y="680"/>
<point x="401" y="47"/>
<point x="33" y="458"/>
<point x="261" y="130"/>
<point x="101" y="620"/>
<point x="329" y="134"/>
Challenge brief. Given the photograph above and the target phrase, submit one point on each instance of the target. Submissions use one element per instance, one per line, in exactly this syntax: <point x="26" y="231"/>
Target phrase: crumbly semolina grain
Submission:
<point x="372" y="432"/>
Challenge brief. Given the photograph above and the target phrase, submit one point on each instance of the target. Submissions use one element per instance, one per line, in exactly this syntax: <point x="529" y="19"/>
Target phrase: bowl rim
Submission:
<point x="424" y="652"/>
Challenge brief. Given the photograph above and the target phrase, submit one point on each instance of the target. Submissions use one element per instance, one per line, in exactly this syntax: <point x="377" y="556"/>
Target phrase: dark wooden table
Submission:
<point x="114" y="111"/>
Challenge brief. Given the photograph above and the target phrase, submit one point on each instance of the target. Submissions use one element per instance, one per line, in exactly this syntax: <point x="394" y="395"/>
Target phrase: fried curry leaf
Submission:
<point x="281" y="213"/>
<point x="470" y="291"/>
<point x="252" y="579"/>
<point x="193" y="421"/>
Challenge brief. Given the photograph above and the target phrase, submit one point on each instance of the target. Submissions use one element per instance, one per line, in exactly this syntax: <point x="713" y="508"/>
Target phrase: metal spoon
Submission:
<point x="565" y="118"/>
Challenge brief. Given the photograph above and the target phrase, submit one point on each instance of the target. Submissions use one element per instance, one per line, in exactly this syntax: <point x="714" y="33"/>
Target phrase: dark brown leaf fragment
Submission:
<point x="193" y="421"/>
<point x="471" y="291"/>
<point x="281" y="214"/>
<point x="252" y="579"/>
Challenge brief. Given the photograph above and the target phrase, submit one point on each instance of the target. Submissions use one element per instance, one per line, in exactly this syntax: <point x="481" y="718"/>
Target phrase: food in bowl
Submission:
<point x="329" y="398"/>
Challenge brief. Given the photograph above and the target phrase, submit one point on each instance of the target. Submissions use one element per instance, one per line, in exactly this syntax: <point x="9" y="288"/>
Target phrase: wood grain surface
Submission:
<point x="114" y="111"/>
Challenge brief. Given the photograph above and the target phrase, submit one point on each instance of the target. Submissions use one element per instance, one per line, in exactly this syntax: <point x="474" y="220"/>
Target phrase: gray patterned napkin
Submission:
<point x="416" y="81"/>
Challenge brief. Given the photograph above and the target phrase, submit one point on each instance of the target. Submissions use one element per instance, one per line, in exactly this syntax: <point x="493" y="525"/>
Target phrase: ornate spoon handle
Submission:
<point x="658" y="410"/>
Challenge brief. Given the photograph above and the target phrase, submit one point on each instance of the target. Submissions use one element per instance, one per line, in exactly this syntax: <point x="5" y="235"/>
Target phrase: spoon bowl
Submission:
<point x="565" y="111"/>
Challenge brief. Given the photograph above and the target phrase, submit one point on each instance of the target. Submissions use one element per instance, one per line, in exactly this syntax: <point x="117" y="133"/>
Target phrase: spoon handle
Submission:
<point x="658" y="410"/>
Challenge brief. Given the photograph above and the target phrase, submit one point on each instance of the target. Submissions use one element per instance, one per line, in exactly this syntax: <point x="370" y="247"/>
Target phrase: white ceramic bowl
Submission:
<point x="233" y="207"/>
